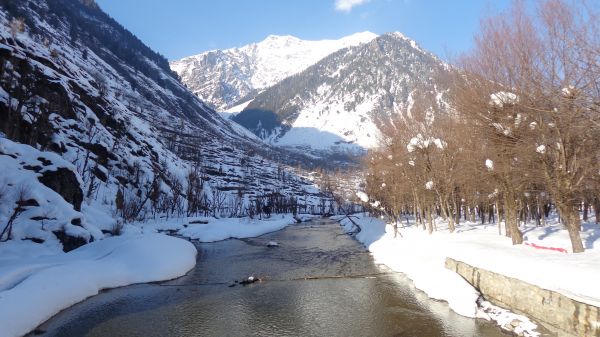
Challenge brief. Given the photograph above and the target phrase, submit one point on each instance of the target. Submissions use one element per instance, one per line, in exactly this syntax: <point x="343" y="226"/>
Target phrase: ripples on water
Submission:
<point x="285" y="304"/>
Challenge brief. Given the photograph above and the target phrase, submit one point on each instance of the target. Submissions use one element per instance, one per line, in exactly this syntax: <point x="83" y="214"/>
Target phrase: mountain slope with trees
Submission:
<point x="132" y="141"/>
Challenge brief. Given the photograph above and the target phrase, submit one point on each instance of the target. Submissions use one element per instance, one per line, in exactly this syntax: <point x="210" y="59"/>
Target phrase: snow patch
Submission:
<point x="362" y="196"/>
<point x="541" y="149"/>
<point x="501" y="98"/>
<point x="41" y="282"/>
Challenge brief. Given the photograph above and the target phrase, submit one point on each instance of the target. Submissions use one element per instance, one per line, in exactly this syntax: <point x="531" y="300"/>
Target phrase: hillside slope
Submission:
<point x="133" y="142"/>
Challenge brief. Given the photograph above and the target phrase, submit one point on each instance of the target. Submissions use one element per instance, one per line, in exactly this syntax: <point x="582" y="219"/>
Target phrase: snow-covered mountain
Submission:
<point x="225" y="78"/>
<point x="91" y="116"/>
<point x="334" y="104"/>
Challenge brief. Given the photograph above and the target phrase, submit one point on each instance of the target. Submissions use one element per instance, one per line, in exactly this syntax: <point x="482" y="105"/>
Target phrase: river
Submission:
<point x="318" y="282"/>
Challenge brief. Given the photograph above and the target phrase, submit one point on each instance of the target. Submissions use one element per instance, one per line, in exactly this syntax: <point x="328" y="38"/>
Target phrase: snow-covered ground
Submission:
<point x="38" y="281"/>
<point x="422" y="256"/>
<point x="233" y="111"/>
<point x="207" y="229"/>
<point x="326" y="123"/>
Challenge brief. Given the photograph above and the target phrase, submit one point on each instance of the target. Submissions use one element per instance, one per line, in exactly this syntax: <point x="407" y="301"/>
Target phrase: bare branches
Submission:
<point x="524" y="127"/>
<point x="17" y="26"/>
<point x="21" y="203"/>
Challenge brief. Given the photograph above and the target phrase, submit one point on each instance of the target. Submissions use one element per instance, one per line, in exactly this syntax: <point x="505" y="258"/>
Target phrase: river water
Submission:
<point x="318" y="282"/>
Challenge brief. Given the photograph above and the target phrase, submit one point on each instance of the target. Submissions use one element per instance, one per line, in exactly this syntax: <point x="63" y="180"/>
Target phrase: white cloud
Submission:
<point x="347" y="5"/>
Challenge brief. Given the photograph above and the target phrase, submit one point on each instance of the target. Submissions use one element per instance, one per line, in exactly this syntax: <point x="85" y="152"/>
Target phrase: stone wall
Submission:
<point x="564" y="315"/>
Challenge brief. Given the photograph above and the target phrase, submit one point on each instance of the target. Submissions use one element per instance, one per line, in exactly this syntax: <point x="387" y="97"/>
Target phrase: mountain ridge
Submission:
<point x="226" y="77"/>
<point x="337" y="103"/>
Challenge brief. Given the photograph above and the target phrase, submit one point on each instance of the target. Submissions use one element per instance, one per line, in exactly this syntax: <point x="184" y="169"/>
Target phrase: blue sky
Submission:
<point x="179" y="28"/>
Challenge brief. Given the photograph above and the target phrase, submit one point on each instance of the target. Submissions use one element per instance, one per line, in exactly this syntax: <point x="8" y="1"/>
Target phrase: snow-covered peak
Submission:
<point x="317" y="48"/>
<point x="309" y="47"/>
<point x="398" y="35"/>
<point x="336" y="103"/>
<point x="401" y="36"/>
<point x="278" y="57"/>
<point x="279" y="39"/>
<point x="223" y="77"/>
<point x="361" y="37"/>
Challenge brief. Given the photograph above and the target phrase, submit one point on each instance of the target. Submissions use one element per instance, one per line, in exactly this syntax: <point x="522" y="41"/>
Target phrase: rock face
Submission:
<point x="558" y="312"/>
<point x="64" y="182"/>
<point x="69" y="242"/>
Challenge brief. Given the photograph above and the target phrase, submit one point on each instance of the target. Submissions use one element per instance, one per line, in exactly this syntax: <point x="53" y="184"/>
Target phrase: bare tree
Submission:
<point x="541" y="73"/>
<point x="16" y="26"/>
<point x="101" y="82"/>
<point x="20" y="205"/>
<point x="521" y="133"/>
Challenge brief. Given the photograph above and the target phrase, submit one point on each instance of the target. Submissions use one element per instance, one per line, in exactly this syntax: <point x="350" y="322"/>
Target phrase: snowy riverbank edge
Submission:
<point x="37" y="282"/>
<point x="421" y="257"/>
<point x="208" y="229"/>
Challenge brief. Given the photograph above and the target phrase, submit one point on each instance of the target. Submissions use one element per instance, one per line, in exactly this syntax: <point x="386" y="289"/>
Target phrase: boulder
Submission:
<point x="64" y="182"/>
<point x="69" y="242"/>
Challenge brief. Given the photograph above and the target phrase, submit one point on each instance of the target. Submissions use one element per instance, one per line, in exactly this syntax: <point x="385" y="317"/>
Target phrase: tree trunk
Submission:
<point x="510" y="218"/>
<point x="570" y="216"/>
<point x="472" y="214"/>
<point x="429" y="220"/>
<point x="497" y="207"/>
<point x="481" y="213"/>
<point x="540" y="213"/>
<point x="451" y="226"/>
<point x="547" y="209"/>
<point x="457" y="209"/>
<point x="597" y="210"/>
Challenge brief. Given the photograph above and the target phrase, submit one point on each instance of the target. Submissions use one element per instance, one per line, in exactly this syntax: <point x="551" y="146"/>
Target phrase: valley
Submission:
<point x="317" y="179"/>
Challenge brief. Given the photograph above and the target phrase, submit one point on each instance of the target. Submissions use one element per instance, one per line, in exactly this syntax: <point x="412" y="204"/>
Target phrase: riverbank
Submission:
<point x="422" y="257"/>
<point x="39" y="280"/>
<point x="559" y="313"/>
<point x="209" y="229"/>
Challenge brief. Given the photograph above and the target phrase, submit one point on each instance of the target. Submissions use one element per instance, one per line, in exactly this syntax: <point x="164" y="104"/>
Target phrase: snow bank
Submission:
<point x="208" y="229"/>
<point x="419" y="260"/>
<point x="540" y="262"/>
<point x="573" y="275"/>
<point x="239" y="228"/>
<point x="36" y="282"/>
